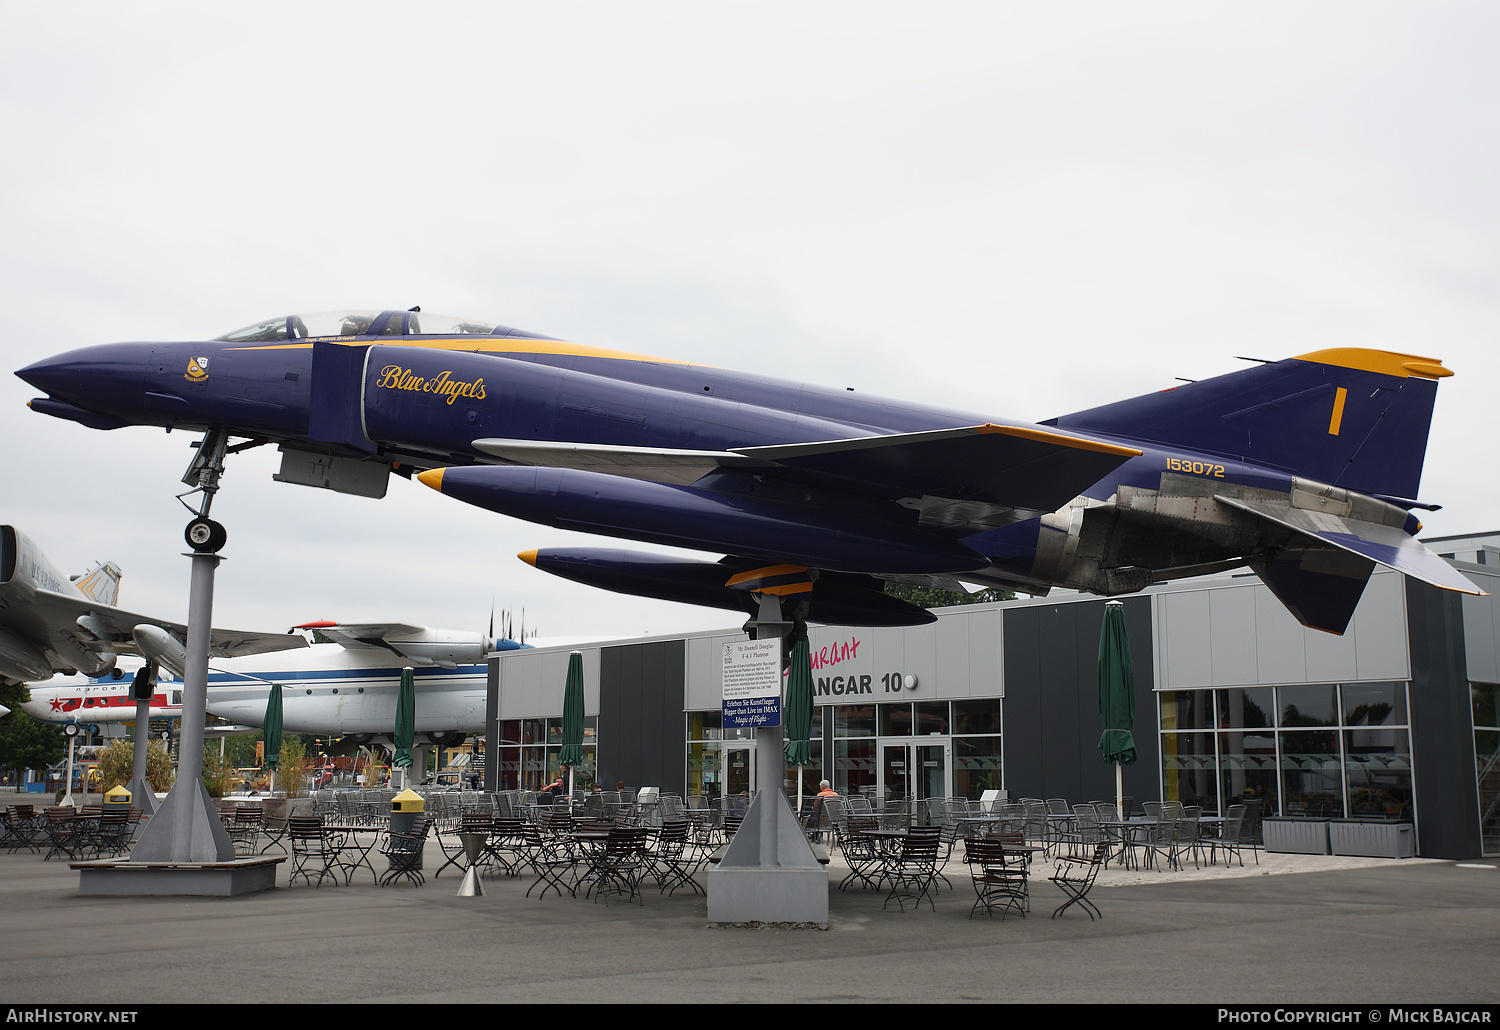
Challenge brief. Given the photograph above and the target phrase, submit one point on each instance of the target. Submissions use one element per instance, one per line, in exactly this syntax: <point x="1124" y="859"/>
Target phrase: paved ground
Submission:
<point x="1289" y="930"/>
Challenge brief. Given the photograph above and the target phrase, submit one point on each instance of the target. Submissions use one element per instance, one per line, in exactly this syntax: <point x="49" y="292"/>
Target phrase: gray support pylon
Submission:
<point x="187" y="828"/>
<point x="140" y="791"/>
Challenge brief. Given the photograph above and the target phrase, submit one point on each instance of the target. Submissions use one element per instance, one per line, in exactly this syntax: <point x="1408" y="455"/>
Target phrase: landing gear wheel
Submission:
<point x="205" y="536"/>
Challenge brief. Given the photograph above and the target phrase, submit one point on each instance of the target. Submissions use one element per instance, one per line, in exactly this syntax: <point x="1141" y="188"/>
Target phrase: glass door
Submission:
<point x="738" y="768"/>
<point x="918" y="768"/>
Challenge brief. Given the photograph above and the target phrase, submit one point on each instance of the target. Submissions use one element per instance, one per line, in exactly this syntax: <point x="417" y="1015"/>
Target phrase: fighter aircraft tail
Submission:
<point x="1349" y="417"/>
<point x="101" y="583"/>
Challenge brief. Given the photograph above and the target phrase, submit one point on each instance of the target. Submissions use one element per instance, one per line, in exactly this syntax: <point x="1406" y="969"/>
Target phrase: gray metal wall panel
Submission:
<point x="492" y="723"/>
<point x="1442" y="726"/>
<point x="1232" y="637"/>
<point x="887" y="654"/>
<point x="920" y="643"/>
<point x="1022" y="739"/>
<point x="1228" y="634"/>
<point x="1280" y="653"/>
<point x="1379" y="627"/>
<point x="986" y="654"/>
<point x="1185" y="627"/>
<point x="705" y="670"/>
<point x="1052" y="727"/>
<point x="532" y="682"/>
<point x="951" y="659"/>
<point x="1330" y="659"/>
<point x="1482" y="628"/>
<point x="641" y="725"/>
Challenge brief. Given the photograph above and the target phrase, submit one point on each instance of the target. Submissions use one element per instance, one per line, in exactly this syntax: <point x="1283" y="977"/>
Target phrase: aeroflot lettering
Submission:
<point x="394" y="377"/>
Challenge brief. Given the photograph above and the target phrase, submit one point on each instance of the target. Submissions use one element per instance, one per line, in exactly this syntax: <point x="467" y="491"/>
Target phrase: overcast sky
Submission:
<point x="1020" y="209"/>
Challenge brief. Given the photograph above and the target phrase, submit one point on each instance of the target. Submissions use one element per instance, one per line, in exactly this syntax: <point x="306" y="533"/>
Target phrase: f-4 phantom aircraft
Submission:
<point x="50" y="623"/>
<point x="1305" y="470"/>
<point x="343" y="688"/>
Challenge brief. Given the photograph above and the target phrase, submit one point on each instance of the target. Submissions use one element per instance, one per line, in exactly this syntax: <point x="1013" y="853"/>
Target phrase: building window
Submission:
<point x="541" y="743"/>
<point x="1486" y="701"/>
<point x="1316" y="750"/>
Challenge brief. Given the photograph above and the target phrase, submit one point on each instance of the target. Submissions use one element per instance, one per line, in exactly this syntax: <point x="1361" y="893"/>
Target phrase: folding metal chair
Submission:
<point x="998" y="884"/>
<point x="1076" y="875"/>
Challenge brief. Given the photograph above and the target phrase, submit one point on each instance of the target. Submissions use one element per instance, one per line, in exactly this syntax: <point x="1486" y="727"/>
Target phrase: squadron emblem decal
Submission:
<point x="197" y="370"/>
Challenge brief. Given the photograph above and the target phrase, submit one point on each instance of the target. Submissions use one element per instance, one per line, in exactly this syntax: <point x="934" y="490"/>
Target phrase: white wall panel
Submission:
<point x="1232" y="636"/>
<point x="1482" y="629"/>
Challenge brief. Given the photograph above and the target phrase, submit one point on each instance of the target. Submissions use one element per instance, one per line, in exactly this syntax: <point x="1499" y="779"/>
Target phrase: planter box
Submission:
<point x="1372" y="839"/>
<point x="1296" y="836"/>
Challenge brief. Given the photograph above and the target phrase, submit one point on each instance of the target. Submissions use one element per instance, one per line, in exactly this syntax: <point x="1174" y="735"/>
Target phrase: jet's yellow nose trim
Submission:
<point x="529" y="557"/>
<point x="432" y="478"/>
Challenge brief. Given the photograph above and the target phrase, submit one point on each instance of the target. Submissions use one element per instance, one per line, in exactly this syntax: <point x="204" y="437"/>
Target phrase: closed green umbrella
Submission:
<point x="1116" y="696"/>
<point x="797" y="714"/>
<point x="272" y="727"/>
<point x="572" y="719"/>
<point x="799" y="705"/>
<point x="571" y="753"/>
<point x="406" y="719"/>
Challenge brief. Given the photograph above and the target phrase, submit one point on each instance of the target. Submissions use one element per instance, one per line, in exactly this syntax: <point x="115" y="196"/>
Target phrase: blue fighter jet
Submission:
<point x="1304" y="470"/>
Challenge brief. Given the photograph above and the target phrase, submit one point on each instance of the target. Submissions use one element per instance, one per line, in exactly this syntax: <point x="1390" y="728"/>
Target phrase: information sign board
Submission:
<point x="752" y="683"/>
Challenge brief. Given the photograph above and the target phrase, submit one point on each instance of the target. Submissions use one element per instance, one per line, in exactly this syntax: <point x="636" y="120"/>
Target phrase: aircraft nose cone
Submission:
<point x="92" y="385"/>
<point x="52" y="375"/>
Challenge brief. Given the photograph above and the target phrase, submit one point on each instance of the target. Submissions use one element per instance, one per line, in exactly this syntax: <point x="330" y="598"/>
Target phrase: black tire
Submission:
<point x="205" y="536"/>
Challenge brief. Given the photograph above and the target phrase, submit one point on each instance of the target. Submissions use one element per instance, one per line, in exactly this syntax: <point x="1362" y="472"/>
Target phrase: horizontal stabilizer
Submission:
<point x="1384" y="545"/>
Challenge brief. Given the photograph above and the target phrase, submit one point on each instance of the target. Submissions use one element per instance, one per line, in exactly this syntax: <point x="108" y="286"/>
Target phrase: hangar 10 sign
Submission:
<point x="752" y="683"/>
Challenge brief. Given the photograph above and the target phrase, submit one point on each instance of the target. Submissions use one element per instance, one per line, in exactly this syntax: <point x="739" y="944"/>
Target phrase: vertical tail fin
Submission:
<point x="1350" y="417"/>
<point x="101" y="583"/>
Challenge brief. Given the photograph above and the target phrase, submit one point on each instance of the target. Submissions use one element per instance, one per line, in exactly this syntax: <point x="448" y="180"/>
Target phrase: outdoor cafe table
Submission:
<point x="969" y="824"/>
<point x="591" y="845"/>
<point x="350" y="833"/>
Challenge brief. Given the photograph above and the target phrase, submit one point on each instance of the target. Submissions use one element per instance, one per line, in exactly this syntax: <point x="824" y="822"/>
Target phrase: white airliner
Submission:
<point x="346" y="688"/>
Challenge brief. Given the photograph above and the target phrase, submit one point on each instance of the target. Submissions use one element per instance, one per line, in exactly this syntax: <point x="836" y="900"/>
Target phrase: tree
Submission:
<point x="293" y="771"/>
<point x="930" y="597"/>
<point x="28" y="744"/>
<point x="218" y="774"/>
<point x="117" y="764"/>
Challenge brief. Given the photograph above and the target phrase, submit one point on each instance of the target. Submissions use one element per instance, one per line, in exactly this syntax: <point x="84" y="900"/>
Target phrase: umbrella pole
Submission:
<point x="1119" y="791"/>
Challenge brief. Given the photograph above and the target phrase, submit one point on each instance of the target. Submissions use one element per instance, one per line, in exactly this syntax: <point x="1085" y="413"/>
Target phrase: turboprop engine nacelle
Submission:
<point x="445" y="649"/>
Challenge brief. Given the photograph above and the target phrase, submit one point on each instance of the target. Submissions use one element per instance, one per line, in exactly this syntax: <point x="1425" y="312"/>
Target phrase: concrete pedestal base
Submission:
<point x="768" y="894"/>
<point x="782" y="882"/>
<point x="109" y="878"/>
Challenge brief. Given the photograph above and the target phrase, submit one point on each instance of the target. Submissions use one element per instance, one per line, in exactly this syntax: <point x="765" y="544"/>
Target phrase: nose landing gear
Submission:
<point x="205" y="536"/>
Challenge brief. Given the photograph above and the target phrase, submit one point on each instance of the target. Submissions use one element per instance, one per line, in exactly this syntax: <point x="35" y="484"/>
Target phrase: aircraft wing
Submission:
<point x="61" y="614"/>
<point x="369" y="636"/>
<point x="971" y="476"/>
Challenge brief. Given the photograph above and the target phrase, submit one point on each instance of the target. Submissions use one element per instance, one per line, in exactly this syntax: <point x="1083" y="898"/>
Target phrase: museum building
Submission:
<point x="1396" y="720"/>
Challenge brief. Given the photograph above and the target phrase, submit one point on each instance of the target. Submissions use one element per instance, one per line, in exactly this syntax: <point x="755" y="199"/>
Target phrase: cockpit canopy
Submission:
<point x="368" y="323"/>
